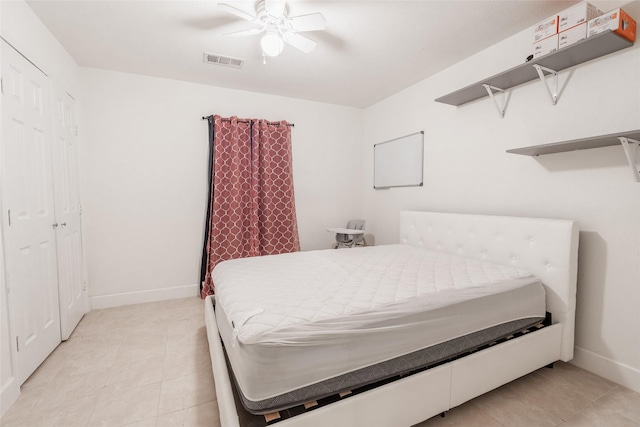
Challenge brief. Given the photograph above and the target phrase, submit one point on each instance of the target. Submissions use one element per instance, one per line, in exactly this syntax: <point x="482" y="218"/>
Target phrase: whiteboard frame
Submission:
<point x="399" y="140"/>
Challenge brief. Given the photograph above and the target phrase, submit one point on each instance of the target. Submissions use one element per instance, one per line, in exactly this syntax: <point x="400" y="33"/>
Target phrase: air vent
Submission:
<point x="227" y="61"/>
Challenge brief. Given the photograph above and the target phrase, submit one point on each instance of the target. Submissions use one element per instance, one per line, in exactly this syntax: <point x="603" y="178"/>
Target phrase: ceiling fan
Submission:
<point x="271" y="18"/>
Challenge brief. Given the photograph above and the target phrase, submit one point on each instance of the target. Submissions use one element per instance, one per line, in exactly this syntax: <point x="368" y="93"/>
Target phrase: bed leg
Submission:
<point x="442" y="414"/>
<point x="550" y="365"/>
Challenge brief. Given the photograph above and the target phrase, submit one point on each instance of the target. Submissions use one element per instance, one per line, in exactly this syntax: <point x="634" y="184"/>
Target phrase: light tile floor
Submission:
<point x="148" y="365"/>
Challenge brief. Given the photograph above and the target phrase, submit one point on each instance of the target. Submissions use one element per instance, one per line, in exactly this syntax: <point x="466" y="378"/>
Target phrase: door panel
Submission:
<point x="29" y="218"/>
<point x="73" y="294"/>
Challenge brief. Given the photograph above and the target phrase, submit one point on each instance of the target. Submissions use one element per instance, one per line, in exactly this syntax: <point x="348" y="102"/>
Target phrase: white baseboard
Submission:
<point x="139" y="297"/>
<point x="8" y="395"/>
<point x="617" y="372"/>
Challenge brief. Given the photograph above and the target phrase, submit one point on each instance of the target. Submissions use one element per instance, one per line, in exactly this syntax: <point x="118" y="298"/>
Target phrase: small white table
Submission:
<point x="345" y="231"/>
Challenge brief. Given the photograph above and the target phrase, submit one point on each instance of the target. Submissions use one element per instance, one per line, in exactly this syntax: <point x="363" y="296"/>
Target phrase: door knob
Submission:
<point x="64" y="224"/>
<point x="54" y="225"/>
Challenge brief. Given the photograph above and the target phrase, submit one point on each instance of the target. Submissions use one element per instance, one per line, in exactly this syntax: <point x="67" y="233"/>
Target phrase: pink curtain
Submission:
<point x="252" y="208"/>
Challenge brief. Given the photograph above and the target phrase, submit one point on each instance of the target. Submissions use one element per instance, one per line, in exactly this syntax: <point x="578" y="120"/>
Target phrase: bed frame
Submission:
<point x="546" y="247"/>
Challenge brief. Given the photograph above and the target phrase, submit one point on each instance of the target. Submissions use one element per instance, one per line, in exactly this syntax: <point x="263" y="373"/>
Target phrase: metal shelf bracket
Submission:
<point x="490" y="90"/>
<point x="632" y="152"/>
<point x="541" y="73"/>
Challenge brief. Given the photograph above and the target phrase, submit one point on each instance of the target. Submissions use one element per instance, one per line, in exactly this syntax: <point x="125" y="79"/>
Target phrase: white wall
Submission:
<point x="467" y="170"/>
<point x="22" y="29"/>
<point x="144" y="169"/>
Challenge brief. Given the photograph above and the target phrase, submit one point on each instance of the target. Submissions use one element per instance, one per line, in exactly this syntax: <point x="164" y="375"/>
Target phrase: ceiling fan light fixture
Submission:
<point x="272" y="44"/>
<point x="278" y="27"/>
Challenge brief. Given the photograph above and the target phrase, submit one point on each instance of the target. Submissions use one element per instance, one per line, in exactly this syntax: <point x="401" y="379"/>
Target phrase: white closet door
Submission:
<point x="73" y="294"/>
<point x="29" y="218"/>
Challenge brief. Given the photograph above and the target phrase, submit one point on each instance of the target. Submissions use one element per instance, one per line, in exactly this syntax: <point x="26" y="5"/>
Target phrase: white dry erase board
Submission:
<point x="398" y="163"/>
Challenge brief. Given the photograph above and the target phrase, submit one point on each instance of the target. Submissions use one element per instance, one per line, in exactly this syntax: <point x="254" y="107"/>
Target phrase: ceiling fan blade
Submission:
<point x="235" y="11"/>
<point x="311" y="22"/>
<point x="274" y="8"/>
<point x="300" y="42"/>
<point x="243" y="33"/>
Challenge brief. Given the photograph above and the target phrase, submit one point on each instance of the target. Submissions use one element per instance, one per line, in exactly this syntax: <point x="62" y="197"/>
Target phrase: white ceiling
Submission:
<point x="370" y="50"/>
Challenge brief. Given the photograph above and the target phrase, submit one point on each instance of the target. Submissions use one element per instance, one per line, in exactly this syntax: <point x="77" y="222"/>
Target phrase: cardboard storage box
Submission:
<point x="576" y="15"/>
<point x="617" y="21"/>
<point x="545" y="46"/>
<point x="546" y="28"/>
<point x="572" y="35"/>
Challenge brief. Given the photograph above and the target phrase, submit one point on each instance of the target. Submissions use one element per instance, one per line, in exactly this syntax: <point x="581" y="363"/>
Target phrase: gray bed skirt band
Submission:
<point x="417" y="360"/>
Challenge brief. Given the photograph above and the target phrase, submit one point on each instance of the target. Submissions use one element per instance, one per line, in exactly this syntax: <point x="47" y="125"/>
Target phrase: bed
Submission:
<point x="547" y="248"/>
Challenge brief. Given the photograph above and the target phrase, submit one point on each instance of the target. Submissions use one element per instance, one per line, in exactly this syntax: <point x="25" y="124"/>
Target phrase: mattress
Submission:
<point x="355" y="382"/>
<point x="293" y="320"/>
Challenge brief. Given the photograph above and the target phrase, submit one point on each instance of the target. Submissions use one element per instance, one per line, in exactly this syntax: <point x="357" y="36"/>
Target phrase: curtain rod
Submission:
<point x="248" y="121"/>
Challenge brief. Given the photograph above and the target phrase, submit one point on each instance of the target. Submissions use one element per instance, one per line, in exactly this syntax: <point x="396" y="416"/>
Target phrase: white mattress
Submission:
<point x="292" y="320"/>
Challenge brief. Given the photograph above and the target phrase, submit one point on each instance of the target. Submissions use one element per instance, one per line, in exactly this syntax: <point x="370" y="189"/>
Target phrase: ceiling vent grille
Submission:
<point x="227" y="61"/>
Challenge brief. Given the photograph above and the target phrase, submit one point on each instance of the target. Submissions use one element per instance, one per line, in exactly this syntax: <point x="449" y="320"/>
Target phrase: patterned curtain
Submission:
<point x="252" y="208"/>
<point x="275" y="211"/>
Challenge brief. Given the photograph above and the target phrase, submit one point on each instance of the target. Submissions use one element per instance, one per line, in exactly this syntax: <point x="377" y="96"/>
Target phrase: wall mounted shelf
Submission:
<point x="630" y="141"/>
<point x="578" y="53"/>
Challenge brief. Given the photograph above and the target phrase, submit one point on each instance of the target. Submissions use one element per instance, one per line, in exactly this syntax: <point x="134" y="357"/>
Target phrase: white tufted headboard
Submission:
<point x="546" y="247"/>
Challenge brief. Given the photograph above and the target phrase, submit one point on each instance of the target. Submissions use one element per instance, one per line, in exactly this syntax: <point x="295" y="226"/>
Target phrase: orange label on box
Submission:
<point x="627" y="28"/>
